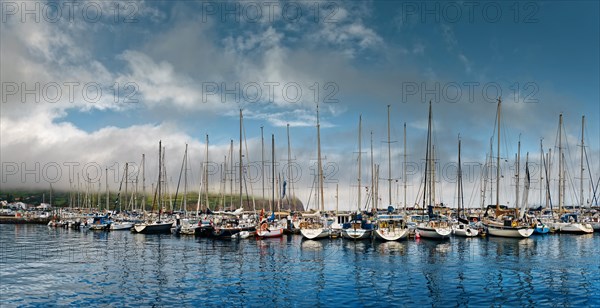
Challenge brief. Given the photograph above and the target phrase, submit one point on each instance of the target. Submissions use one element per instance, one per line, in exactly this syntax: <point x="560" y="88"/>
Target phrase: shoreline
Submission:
<point x="24" y="220"/>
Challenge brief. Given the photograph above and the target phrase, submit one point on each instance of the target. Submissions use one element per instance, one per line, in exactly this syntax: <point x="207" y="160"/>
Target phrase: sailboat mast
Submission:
<point x="135" y="194"/>
<point x="376" y="186"/>
<point x="164" y="182"/>
<point x="319" y="162"/>
<point x="581" y="162"/>
<point x="78" y="191"/>
<point x="527" y="180"/>
<point x="548" y="173"/>
<point x="262" y="159"/>
<point x="564" y="179"/>
<point x="241" y="164"/>
<point x="143" y="182"/>
<point x="231" y="167"/>
<point x="404" y="167"/>
<point x="430" y="158"/>
<point x="223" y="187"/>
<point x="460" y="188"/>
<point x="498" y="159"/>
<point x="206" y="174"/>
<point x="185" y="179"/>
<point x="489" y="169"/>
<point x="432" y="174"/>
<point x="359" y="158"/>
<point x="337" y="199"/>
<point x="107" y="193"/>
<point x="389" y="158"/>
<point x="518" y="169"/>
<point x="126" y="180"/>
<point x="272" y="171"/>
<point x="426" y="185"/>
<point x="289" y="173"/>
<point x="159" y="178"/>
<point x="560" y="165"/>
<point x="541" y="165"/>
<point x="373" y="176"/>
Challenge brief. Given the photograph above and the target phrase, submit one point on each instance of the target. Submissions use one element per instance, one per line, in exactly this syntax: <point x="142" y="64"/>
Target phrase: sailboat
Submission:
<point x="433" y="228"/>
<point x="268" y="227"/>
<point x="462" y="228"/>
<point x="568" y="222"/>
<point x="205" y="225"/>
<point x="157" y="226"/>
<point x="315" y="227"/>
<point x="231" y="224"/>
<point x="592" y="217"/>
<point x="506" y="222"/>
<point x="540" y="225"/>
<point x="358" y="228"/>
<point x="390" y="227"/>
<point x="183" y="226"/>
<point x="123" y="225"/>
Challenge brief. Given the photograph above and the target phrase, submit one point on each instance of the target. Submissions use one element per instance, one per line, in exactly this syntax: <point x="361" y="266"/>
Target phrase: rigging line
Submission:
<point x="567" y="146"/>
<point x="310" y="194"/>
<point x="594" y="188"/>
<point x="474" y="188"/>
<point x="546" y="168"/>
<point x="567" y="175"/>
<point x="248" y="161"/>
<point x="180" y="174"/>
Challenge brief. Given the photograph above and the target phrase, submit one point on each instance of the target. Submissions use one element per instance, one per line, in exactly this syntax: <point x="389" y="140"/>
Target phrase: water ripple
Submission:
<point x="55" y="267"/>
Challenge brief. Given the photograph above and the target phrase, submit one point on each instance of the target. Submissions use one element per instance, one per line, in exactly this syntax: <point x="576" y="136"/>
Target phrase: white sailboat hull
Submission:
<point x="434" y="233"/>
<point x="387" y="234"/>
<point x="273" y="232"/>
<point x="356" y="234"/>
<point x="501" y="231"/>
<point x="316" y="233"/>
<point x="121" y="226"/>
<point x="576" y="227"/>
<point x="464" y="231"/>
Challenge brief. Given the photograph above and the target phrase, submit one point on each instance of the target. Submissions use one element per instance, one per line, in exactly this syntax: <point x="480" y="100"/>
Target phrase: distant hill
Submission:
<point x="216" y="202"/>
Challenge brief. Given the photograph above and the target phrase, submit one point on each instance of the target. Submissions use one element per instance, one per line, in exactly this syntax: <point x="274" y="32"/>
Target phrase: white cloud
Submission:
<point x="352" y="38"/>
<point x="159" y="84"/>
<point x="169" y="67"/>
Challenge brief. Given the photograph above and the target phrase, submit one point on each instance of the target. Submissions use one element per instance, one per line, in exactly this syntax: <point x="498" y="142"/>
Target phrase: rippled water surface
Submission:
<point x="46" y="267"/>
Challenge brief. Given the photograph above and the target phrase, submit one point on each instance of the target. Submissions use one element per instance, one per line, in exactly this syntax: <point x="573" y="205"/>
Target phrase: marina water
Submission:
<point x="40" y="266"/>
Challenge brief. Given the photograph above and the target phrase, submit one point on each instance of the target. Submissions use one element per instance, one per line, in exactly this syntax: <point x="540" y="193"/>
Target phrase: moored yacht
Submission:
<point x="434" y="229"/>
<point x="155" y="227"/>
<point x="391" y="227"/>
<point x="314" y="227"/>
<point x="569" y="223"/>
<point x="464" y="230"/>
<point x="508" y="227"/>
<point x="357" y="229"/>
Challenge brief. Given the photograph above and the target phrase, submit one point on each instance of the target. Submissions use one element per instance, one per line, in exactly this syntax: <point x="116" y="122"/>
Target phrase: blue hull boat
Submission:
<point x="541" y="228"/>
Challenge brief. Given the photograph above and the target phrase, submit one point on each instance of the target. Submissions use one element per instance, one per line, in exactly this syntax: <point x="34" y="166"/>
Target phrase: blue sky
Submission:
<point x="544" y="56"/>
